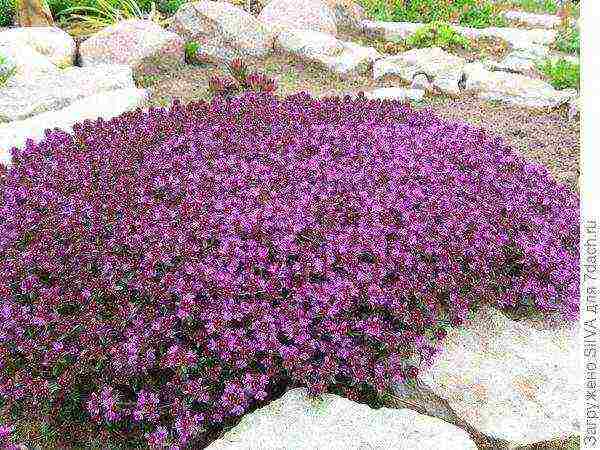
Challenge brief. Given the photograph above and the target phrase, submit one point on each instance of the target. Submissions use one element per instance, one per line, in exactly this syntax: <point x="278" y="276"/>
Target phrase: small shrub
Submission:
<point x="191" y="48"/>
<point x="7" y="12"/>
<point x="170" y="7"/>
<point x="568" y="40"/>
<point x="473" y="13"/>
<point x="438" y="34"/>
<point x="537" y="6"/>
<point x="561" y="73"/>
<point x="241" y="80"/>
<point x="7" y="70"/>
<point x="162" y="273"/>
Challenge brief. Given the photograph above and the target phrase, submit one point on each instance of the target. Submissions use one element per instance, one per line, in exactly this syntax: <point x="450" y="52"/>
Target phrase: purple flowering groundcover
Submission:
<point x="162" y="273"/>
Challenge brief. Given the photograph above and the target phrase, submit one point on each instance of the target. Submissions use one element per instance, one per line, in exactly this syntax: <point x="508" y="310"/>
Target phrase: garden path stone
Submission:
<point x="297" y="422"/>
<point x="345" y="59"/>
<point x="105" y="105"/>
<point x="445" y="69"/>
<point x="513" y="89"/>
<point x="51" y="42"/>
<point x="315" y="15"/>
<point x="396" y="93"/>
<point x="534" y="20"/>
<point x="24" y="97"/>
<point x="136" y="43"/>
<point x="223" y="26"/>
<point x="513" y="380"/>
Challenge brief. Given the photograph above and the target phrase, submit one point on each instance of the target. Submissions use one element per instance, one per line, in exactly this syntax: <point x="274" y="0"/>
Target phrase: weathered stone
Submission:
<point x="343" y="58"/>
<point x="513" y="89"/>
<point x="348" y="14"/>
<point x="221" y="25"/>
<point x="535" y="20"/>
<point x="390" y="31"/>
<point x="24" y="97"/>
<point x="313" y="15"/>
<point x="105" y="105"/>
<point x="26" y="60"/>
<point x="512" y="63"/>
<point x="517" y="36"/>
<point x="52" y="42"/>
<point x="298" y="422"/>
<point x="445" y="69"/>
<point x="396" y="93"/>
<point x="516" y="381"/>
<point x="420" y="81"/>
<point x="308" y="44"/>
<point x="136" y="43"/>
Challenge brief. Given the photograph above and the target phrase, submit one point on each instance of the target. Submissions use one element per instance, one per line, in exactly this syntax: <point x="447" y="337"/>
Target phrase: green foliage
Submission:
<point x="170" y="7"/>
<point x="568" y="40"/>
<point x="472" y="13"/>
<point x="537" y="6"/>
<point x="561" y="73"/>
<point x="191" y="48"/>
<point x="7" y="12"/>
<point x="438" y="34"/>
<point x="5" y="71"/>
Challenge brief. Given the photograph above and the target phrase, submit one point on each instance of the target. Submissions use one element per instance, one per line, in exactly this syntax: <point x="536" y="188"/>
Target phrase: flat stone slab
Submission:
<point x="513" y="89"/>
<point x="297" y="422"/>
<point x="106" y="105"/>
<point x="534" y="20"/>
<point x="396" y="93"/>
<point x="445" y="69"/>
<point x="345" y="59"/>
<point x="517" y="381"/>
<point x="24" y="97"/>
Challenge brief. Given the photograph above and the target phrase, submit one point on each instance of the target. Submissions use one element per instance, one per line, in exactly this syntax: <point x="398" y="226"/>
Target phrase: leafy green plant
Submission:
<point x="561" y="73"/>
<point x="191" y="48"/>
<point x="7" y="12"/>
<point x="438" y="34"/>
<point x="568" y="40"/>
<point x="473" y="13"/>
<point x="170" y="7"/>
<point x="6" y="70"/>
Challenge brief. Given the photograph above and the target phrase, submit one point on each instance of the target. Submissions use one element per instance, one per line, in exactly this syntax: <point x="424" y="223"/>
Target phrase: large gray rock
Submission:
<point x="106" y="105"/>
<point x="136" y="43"/>
<point x="514" y="381"/>
<point x="313" y="15"/>
<point x="345" y="59"/>
<point x="445" y="69"/>
<point x="513" y="89"/>
<point x="390" y="31"/>
<point x="223" y="27"/>
<point x="51" y="42"/>
<point x="297" y="422"/>
<point x="24" y="97"/>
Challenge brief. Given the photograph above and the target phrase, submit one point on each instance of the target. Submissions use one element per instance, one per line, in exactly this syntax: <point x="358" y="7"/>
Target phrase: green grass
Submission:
<point x="561" y="74"/>
<point x="437" y="34"/>
<point x="472" y="13"/>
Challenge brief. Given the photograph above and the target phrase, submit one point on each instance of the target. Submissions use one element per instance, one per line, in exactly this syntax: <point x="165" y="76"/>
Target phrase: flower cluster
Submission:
<point x="167" y="271"/>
